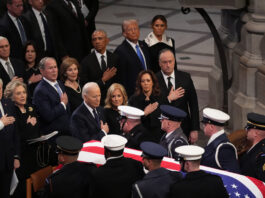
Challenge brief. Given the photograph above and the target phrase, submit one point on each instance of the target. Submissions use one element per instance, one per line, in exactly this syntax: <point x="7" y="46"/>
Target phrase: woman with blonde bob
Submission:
<point x="116" y="96"/>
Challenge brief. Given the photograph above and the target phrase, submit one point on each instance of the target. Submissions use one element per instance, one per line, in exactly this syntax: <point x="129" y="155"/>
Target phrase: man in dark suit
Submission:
<point x="157" y="182"/>
<point x="50" y="99"/>
<point x="196" y="183"/>
<point x="41" y="29"/>
<point x="100" y="66"/>
<point x="14" y="28"/>
<point x="70" y="26"/>
<point x="219" y="152"/>
<point x="10" y="68"/>
<point x="252" y="163"/>
<point x="9" y="144"/>
<point x="116" y="177"/>
<point x="73" y="180"/>
<point x="177" y="87"/>
<point x="87" y="121"/>
<point x="133" y="55"/>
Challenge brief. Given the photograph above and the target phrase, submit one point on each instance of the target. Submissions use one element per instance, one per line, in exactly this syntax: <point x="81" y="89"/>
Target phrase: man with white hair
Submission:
<point x="133" y="55"/>
<point x="219" y="152"/>
<point x="87" y="121"/>
<point x="10" y="68"/>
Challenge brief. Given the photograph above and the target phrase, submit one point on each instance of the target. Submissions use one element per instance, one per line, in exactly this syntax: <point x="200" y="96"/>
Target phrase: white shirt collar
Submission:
<point x="89" y="108"/>
<point x="133" y="44"/>
<point x="172" y="79"/>
<point x="98" y="55"/>
<point x="14" y="19"/>
<point x="36" y="12"/>
<point x="152" y="40"/>
<point x="216" y="135"/>
<point x="3" y="62"/>
<point x="50" y="82"/>
<point x="168" y="134"/>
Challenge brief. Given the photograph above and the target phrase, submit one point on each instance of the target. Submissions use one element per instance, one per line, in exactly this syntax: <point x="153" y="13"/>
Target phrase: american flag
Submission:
<point x="238" y="186"/>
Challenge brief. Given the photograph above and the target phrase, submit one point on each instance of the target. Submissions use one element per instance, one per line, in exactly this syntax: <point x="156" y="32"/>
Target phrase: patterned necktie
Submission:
<point x="139" y="54"/>
<point x="9" y="70"/>
<point x="103" y="63"/>
<point x="169" y="84"/>
<point x="96" y="117"/>
<point x="22" y="32"/>
<point x="58" y="89"/>
<point x="47" y="33"/>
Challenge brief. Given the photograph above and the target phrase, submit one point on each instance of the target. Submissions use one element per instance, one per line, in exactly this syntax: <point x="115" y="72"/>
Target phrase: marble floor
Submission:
<point x="193" y="39"/>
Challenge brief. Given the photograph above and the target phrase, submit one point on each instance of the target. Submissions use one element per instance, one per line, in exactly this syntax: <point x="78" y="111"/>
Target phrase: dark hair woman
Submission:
<point x="158" y="40"/>
<point x="147" y="97"/>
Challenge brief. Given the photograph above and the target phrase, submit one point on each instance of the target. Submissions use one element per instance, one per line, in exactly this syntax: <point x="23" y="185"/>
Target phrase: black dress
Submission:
<point x="31" y="87"/>
<point x="150" y="121"/>
<point x="28" y="160"/>
<point x="74" y="97"/>
<point x="112" y="119"/>
<point x="156" y="46"/>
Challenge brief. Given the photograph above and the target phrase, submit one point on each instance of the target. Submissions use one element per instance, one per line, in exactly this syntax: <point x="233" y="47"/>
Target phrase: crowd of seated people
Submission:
<point x="51" y="80"/>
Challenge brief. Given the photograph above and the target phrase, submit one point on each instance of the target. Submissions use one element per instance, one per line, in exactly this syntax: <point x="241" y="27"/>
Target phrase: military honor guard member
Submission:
<point x="174" y="137"/>
<point x="73" y="180"/>
<point x="196" y="182"/>
<point x="132" y="127"/>
<point x="252" y="162"/>
<point x="116" y="177"/>
<point x="156" y="183"/>
<point x="219" y="152"/>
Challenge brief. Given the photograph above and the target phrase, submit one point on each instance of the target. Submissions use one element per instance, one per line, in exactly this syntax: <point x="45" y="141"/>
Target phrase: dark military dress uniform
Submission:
<point x="252" y="163"/>
<point x="137" y="135"/>
<point x="71" y="181"/>
<point x="157" y="182"/>
<point x="199" y="184"/>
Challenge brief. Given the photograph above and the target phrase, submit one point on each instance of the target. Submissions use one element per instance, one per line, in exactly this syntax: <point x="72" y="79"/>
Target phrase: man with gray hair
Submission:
<point x="133" y="55"/>
<point x="87" y="121"/>
<point x="50" y="99"/>
<point x="10" y="68"/>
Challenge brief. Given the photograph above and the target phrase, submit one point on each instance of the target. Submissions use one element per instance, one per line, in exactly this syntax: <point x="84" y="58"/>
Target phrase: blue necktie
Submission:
<point x="139" y="54"/>
<point x="58" y="89"/>
<point x="22" y="32"/>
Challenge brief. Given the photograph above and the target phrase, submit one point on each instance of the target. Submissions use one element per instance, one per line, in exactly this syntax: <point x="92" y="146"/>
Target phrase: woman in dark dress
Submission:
<point x="32" y="76"/>
<point x="158" y="40"/>
<point x="69" y="75"/>
<point x="147" y="98"/>
<point x="28" y="128"/>
<point x="116" y="96"/>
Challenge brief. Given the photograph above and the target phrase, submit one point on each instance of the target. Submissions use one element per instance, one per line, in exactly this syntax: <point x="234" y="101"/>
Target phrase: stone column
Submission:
<point x="249" y="77"/>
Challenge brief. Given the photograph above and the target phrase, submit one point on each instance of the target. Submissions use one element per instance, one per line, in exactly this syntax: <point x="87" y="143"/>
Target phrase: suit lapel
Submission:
<point x="163" y="83"/>
<point x="133" y="54"/>
<point x="90" y="117"/>
<point x="4" y="73"/>
<point x="97" y="64"/>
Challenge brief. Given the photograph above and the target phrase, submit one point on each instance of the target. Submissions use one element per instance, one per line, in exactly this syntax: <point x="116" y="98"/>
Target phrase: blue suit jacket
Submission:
<point x="9" y="139"/>
<point x="84" y="126"/>
<point x="53" y="116"/>
<point x="130" y="65"/>
<point x="226" y="155"/>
